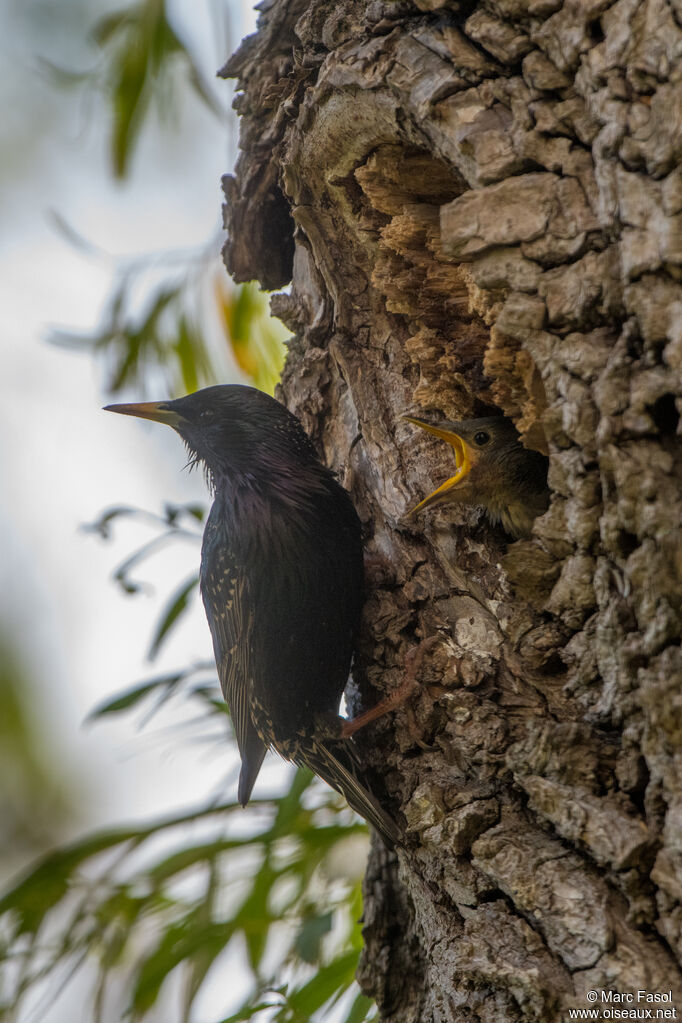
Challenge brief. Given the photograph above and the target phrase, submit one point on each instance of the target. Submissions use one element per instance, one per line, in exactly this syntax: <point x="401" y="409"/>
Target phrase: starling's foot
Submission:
<point x="383" y="707"/>
<point x="413" y="661"/>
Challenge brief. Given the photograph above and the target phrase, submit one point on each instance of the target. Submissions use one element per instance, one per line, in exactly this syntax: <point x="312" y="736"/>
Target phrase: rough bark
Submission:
<point x="479" y="206"/>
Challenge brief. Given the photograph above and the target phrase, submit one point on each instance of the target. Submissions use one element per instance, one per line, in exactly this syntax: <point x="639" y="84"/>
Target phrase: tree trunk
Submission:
<point x="478" y="208"/>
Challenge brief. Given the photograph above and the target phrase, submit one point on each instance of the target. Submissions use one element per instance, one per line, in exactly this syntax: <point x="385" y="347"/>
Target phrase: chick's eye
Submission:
<point x="206" y="415"/>
<point x="481" y="438"/>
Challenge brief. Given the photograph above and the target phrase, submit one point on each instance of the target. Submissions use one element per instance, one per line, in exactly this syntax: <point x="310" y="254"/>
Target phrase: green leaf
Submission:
<point x="179" y="942"/>
<point x="121" y="575"/>
<point x="197" y="510"/>
<point x="188" y="350"/>
<point x="174" y="512"/>
<point x="136" y="694"/>
<point x="117" y="917"/>
<point x="330" y="980"/>
<point x="123" y="702"/>
<point x="245" y="311"/>
<point x="183" y="859"/>
<point x="107" y="26"/>
<point x="309" y="938"/>
<point x="130" y="98"/>
<point x="48" y="882"/>
<point x="289" y="807"/>
<point x="255" y="337"/>
<point x="141" y="45"/>
<point x="248" y="1012"/>
<point x="253" y="918"/>
<point x="212" y="698"/>
<point x="102" y="525"/>
<point x="360" y="1009"/>
<point x="176" y="606"/>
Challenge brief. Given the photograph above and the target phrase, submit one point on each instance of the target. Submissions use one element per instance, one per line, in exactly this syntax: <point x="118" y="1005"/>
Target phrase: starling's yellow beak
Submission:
<point x="461" y="457"/>
<point x="157" y="410"/>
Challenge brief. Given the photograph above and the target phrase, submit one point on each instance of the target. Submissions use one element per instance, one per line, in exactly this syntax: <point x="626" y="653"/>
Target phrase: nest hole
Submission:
<point x="665" y="415"/>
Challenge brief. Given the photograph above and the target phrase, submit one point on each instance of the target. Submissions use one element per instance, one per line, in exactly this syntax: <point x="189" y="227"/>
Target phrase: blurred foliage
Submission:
<point x="256" y="337"/>
<point x="183" y="329"/>
<point x="142" y="46"/>
<point x="124" y="900"/>
<point x="34" y="801"/>
<point x="143" y="61"/>
<point x="176" y="522"/>
<point x="276" y="884"/>
<point x="191" y="313"/>
<point x="274" y="887"/>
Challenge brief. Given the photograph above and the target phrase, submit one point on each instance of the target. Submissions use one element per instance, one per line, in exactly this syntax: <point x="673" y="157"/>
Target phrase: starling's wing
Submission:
<point x="336" y="762"/>
<point x="231" y="624"/>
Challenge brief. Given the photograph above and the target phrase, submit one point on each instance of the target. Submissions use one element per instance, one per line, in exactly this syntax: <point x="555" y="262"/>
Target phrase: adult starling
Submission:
<point x="282" y="584"/>
<point x="494" y="471"/>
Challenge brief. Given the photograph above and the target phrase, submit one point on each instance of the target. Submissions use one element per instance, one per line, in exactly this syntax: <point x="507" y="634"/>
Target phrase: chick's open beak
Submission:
<point x="157" y="410"/>
<point x="461" y="458"/>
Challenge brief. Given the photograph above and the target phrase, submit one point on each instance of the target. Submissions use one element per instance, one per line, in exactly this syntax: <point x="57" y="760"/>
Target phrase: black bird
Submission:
<point x="494" y="470"/>
<point x="282" y="584"/>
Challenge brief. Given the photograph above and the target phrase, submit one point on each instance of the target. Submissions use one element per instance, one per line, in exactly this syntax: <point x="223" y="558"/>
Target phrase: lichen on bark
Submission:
<point x="478" y="208"/>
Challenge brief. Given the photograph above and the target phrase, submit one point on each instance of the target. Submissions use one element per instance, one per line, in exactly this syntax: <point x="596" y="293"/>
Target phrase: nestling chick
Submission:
<point x="494" y="471"/>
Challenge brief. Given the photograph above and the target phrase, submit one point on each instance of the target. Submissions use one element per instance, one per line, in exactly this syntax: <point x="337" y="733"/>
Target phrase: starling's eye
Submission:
<point x="206" y="415"/>
<point x="481" y="438"/>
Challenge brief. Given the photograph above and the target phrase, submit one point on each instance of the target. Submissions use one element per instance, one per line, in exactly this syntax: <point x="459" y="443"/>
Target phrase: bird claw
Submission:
<point x="413" y="662"/>
<point x="385" y="706"/>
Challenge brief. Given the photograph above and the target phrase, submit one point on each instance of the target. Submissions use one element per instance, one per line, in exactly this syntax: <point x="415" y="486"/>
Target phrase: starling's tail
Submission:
<point x="336" y="762"/>
<point x="252" y="750"/>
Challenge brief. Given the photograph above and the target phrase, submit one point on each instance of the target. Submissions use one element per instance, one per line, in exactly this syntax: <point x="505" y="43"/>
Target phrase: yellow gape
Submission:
<point x="462" y="459"/>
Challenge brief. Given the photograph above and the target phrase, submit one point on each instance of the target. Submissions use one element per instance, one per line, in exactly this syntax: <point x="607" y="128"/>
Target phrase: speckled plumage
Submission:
<point x="282" y="584"/>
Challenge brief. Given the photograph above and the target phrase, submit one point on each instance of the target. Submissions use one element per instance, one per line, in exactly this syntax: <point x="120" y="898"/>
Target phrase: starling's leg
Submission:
<point x="385" y="706"/>
<point x="413" y="662"/>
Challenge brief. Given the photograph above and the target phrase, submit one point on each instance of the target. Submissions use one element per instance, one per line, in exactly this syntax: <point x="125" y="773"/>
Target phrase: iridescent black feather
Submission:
<point x="282" y="584"/>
